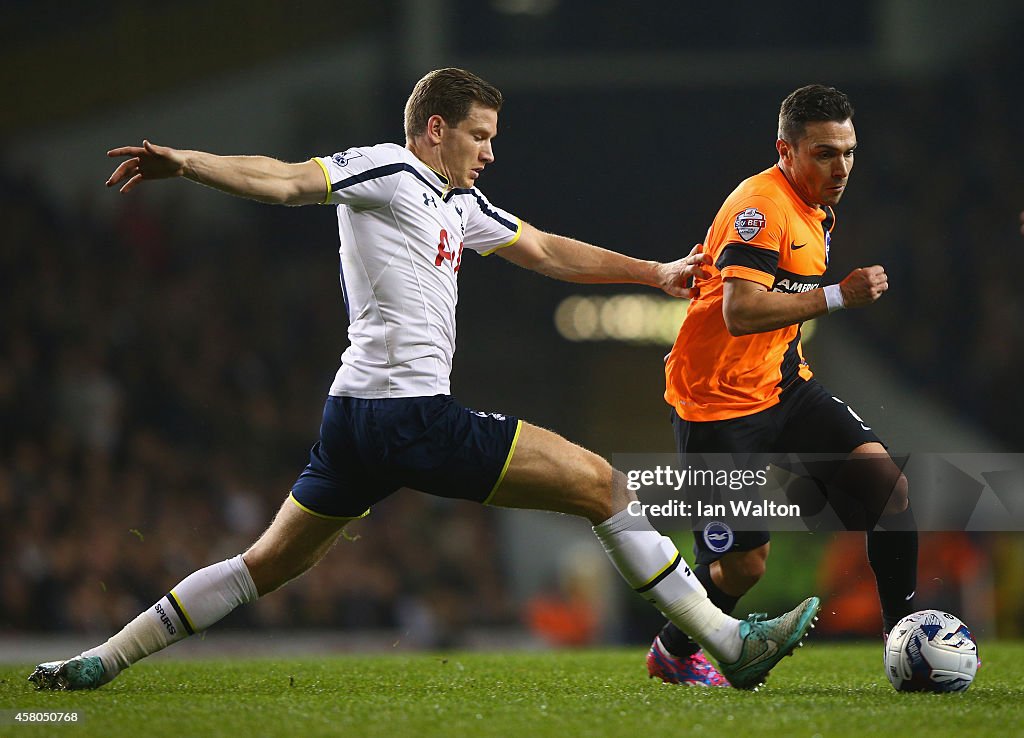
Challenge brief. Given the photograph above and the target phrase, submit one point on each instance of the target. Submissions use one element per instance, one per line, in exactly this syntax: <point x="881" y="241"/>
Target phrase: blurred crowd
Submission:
<point x="157" y="400"/>
<point x="159" y="393"/>
<point x="941" y="213"/>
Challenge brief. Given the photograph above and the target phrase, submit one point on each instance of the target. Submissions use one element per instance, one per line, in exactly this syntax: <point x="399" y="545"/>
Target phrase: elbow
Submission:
<point x="736" y="324"/>
<point x="295" y="190"/>
<point x="272" y="197"/>
<point x="534" y="264"/>
<point x="291" y="196"/>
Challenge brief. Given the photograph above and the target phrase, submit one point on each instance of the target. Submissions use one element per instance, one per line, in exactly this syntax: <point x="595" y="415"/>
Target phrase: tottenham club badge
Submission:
<point x="749" y="223"/>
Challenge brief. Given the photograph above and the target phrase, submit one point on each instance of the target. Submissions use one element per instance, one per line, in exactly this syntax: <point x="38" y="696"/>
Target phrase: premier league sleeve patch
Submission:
<point x="749" y="223"/>
<point x="343" y="158"/>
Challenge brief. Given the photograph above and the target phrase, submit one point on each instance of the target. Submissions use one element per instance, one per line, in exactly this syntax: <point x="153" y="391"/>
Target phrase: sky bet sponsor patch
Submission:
<point x="749" y="223"/>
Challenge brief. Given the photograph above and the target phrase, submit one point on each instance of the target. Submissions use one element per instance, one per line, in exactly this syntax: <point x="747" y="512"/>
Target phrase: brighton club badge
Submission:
<point x="749" y="223"/>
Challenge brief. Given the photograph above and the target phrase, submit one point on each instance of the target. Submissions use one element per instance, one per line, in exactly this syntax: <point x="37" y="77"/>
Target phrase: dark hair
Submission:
<point x="810" y="104"/>
<point x="450" y="93"/>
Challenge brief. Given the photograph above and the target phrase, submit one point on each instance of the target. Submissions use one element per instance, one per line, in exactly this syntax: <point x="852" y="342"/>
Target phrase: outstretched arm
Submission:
<point x="255" y="177"/>
<point x="575" y="261"/>
<point x="749" y="307"/>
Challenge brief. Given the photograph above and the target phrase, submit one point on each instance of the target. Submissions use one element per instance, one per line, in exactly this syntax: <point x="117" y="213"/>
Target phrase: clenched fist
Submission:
<point x="863" y="286"/>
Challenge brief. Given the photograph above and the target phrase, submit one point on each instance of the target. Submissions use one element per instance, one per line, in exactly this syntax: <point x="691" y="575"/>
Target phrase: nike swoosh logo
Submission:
<point x="771" y="648"/>
<point x="907" y="598"/>
<point x="795" y="246"/>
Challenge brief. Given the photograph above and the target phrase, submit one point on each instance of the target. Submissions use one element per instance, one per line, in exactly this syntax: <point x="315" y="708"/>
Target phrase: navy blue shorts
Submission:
<point x="371" y="448"/>
<point x="808" y="420"/>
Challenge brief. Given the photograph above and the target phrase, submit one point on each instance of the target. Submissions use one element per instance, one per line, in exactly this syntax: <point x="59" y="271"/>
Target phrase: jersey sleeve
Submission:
<point x="488" y="228"/>
<point x="353" y="177"/>
<point x="753" y="241"/>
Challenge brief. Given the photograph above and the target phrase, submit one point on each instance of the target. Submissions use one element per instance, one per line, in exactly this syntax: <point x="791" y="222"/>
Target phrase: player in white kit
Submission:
<point x="405" y="217"/>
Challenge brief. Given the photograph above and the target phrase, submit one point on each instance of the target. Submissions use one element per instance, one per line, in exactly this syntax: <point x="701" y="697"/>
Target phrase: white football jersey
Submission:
<point x="402" y="234"/>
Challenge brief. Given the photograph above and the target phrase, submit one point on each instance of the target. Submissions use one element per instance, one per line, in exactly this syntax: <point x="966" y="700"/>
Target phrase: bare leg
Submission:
<point x="294" y="542"/>
<point x="548" y="472"/>
<point x="892" y="553"/>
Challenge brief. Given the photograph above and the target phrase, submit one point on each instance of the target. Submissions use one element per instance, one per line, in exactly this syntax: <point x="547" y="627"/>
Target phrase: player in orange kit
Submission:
<point x="738" y="381"/>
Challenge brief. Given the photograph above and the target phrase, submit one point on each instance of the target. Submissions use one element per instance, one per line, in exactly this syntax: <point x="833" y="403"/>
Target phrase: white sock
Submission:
<point x="199" y="601"/>
<point x="651" y="565"/>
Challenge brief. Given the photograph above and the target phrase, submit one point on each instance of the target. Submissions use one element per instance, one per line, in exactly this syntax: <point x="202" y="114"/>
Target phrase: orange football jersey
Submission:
<point x="764" y="233"/>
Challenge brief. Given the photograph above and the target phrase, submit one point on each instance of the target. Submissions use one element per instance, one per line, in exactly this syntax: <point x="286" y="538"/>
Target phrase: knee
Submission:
<point x="600" y="490"/>
<point x="899" y="498"/>
<point x="270" y="569"/>
<point x="621" y="495"/>
<point x="873" y="478"/>
<point x="591" y="490"/>
<point x="264" y="569"/>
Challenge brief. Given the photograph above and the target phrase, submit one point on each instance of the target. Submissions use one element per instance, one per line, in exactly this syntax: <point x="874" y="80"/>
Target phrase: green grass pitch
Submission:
<point x="825" y="690"/>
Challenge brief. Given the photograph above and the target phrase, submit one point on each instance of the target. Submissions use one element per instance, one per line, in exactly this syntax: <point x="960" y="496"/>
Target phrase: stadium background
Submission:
<point x="163" y="356"/>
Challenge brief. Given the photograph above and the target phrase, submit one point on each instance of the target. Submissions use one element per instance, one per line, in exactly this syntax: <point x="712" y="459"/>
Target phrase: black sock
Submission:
<point x="675" y="641"/>
<point x="893" y="557"/>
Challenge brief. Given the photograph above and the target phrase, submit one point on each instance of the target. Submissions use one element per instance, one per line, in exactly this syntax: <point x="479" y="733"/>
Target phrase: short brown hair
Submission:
<point x="450" y="93"/>
<point x="810" y="104"/>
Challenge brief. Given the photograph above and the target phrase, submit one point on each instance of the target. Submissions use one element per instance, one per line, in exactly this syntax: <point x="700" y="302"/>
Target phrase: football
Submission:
<point x="931" y="651"/>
